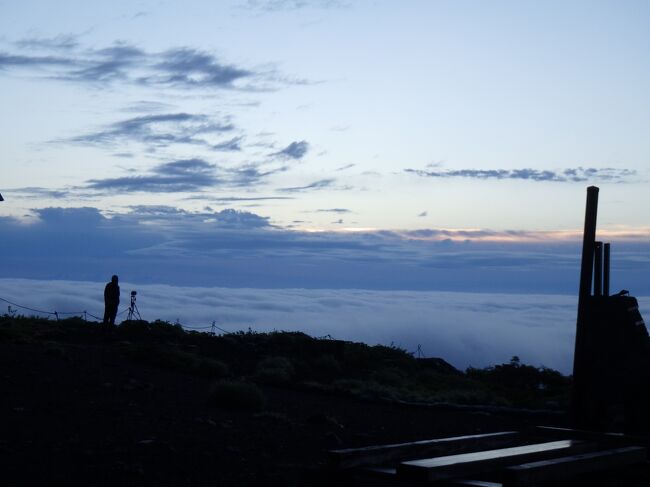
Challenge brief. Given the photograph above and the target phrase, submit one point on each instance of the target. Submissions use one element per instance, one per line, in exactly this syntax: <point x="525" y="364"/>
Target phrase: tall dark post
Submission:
<point x="598" y="269"/>
<point x="579" y="401"/>
<point x="606" y="270"/>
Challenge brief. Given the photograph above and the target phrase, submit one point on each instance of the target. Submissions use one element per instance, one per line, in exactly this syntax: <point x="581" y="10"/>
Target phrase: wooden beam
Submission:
<point x="559" y="469"/>
<point x="378" y="454"/>
<point x="466" y="464"/>
<point x="603" y="438"/>
<point x="606" y="268"/>
<point x="471" y="483"/>
<point x="598" y="269"/>
<point x="581" y="356"/>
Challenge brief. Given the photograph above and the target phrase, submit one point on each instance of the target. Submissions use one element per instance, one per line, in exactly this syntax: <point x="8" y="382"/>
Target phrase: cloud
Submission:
<point x="334" y="210"/>
<point x="252" y="174"/>
<point x="316" y="185"/>
<point x="38" y="192"/>
<point x="295" y="150"/>
<point x="235" y="199"/>
<point x="179" y="67"/>
<point x="8" y="61"/>
<point x="185" y="175"/>
<point x="162" y="244"/>
<point x="147" y="106"/>
<point x="61" y="42"/>
<point x="287" y="5"/>
<point x="579" y="174"/>
<point x="233" y="144"/>
<point x="108" y="64"/>
<point x="177" y="176"/>
<point x="161" y="130"/>
<point x="343" y="168"/>
<point x="187" y="68"/>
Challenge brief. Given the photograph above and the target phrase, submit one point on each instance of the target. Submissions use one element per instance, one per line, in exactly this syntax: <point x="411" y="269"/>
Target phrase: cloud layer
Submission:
<point x="463" y="328"/>
<point x="161" y="244"/>
<point x="578" y="174"/>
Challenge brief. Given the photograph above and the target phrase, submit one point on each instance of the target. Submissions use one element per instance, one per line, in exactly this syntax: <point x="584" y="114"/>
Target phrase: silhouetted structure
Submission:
<point x="134" y="312"/>
<point x="611" y="365"/>
<point x="111" y="301"/>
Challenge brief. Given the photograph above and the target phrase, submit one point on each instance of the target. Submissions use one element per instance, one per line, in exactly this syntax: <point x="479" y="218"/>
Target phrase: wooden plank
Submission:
<point x="558" y="469"/>
<point x="471" y="483"/>
<point x="603" y="437"/>
<point x="378" y="454"/>
<point x="462" y="465"/>
<point x="390" y="474"/>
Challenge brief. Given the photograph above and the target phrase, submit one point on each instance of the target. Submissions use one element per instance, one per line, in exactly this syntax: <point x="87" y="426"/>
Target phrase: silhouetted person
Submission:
<point x="111" y="301"/>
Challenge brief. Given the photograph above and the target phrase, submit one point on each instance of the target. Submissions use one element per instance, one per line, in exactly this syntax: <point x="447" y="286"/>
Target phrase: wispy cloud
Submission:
<point x="345" y="167"/>
<point x="233" y="144"/>
<point x="38" y="192"/>
<point x="251" y="174"/>
<point x="188" y="68"/>
<point x="186" y="175"/>
<point x="316" y="185"/>
<point x="61" y="42"/>
<point x="285" y="5"/>
<point x="578" y="174"/>
<point x="177" y="176"/>
<point x="236" y="199"/>
<point x="334" y="210"/>
<point x="295" y="150"/>
<point x="161" y="130"/>
<point x="62" y="58"/>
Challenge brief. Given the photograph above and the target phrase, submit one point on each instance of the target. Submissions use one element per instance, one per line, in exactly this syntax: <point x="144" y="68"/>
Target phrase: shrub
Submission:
<point x="237" y="396"/>
<point x="325" y="368"/>
<point x="212" y="368"/>
<point x="275" y="370"/>
<point x="391" y="376"/>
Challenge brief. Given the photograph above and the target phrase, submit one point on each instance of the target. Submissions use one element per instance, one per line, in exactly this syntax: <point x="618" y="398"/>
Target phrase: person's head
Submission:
<point x="114" y="279"/>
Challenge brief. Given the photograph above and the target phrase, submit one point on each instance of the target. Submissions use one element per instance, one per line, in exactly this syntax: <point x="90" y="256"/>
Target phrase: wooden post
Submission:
<point x="580" y="399"/>
<point x="598" y="269"/>
<point x="606" y="270"/>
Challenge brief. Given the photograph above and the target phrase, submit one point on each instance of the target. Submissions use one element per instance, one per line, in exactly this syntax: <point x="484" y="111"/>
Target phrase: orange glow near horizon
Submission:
<point x="498" y="236"/>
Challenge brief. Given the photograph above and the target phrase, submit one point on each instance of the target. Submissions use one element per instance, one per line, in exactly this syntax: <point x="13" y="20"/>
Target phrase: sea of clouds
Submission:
<point x="466" y="329"/>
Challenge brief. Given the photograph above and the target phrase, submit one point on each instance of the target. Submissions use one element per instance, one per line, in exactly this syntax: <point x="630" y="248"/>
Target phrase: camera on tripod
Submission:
<point x="134" y="312"/>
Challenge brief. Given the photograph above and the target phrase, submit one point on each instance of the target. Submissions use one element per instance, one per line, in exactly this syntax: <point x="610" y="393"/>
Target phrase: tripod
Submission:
<point x="134" y="312"/>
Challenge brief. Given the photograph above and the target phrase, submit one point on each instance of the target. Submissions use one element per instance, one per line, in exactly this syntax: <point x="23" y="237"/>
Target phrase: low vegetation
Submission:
<point x="239" y="361"/>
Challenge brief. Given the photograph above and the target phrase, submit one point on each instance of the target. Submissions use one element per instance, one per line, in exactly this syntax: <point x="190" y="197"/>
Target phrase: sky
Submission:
<point x="324" y="144"/>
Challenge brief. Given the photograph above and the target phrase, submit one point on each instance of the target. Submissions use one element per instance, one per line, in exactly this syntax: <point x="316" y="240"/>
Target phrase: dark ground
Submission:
<point x="82" y="415"/>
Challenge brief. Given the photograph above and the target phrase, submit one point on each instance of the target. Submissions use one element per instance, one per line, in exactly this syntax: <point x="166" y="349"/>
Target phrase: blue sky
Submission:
<point x="379" y="145"/>
<point x="423" y="114"/>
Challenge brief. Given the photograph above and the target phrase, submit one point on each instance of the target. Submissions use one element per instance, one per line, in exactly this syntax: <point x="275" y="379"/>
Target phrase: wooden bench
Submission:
<point x="379" y="454"/>
<point x="468" y="464"/>
<point x="537" y="456"/>
<point x="556" y="469"/>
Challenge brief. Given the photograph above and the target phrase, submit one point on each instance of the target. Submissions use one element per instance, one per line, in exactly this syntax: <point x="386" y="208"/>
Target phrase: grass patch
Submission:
<point x="275" y="370"/>
<point x="237" y="396"/>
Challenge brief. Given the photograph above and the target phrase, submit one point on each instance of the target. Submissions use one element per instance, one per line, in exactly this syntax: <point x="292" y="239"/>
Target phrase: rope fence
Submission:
<point x="213" y="327"/>
<point x="85" y="314"/>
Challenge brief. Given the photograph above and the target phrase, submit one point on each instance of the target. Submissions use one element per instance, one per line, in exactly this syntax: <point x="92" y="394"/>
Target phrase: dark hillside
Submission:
<point x="151" y="404"/>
